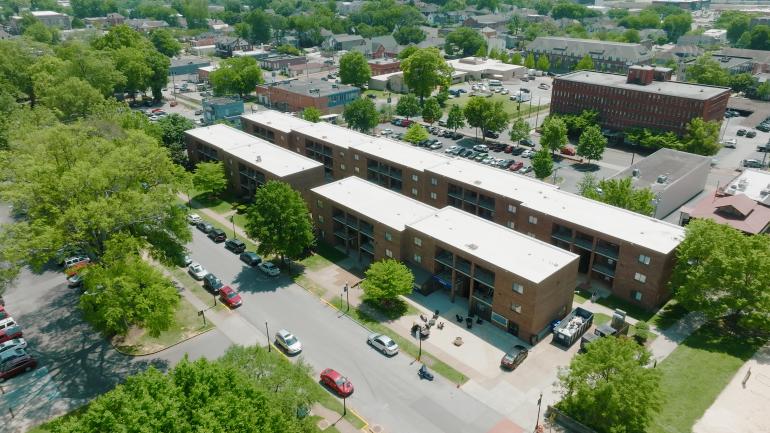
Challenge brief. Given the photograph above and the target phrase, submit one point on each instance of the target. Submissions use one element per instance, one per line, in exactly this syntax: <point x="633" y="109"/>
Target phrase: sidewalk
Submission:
<point x="222" y="219"/>
<point x="669" y="339"/>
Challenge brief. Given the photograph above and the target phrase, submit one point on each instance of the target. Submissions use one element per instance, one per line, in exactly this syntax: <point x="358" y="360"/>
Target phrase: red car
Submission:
<point x="337" y="382"/>
<point x="10" y="333"/>
<point x="406" y="122"/>
<point x="567" y="150"/>
<point x="508" y="149"/>
<point x="15" y="366"/>
<point x="230" y="297"/>
<point x="516" y="166"/>
<point x="77" y="267"/>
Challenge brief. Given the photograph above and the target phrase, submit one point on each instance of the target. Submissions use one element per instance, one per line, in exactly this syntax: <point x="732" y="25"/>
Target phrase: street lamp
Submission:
<point x="539" y="402"/>
<point x="346" y="289"/>
<point x="555" y="170"/>
<point x="267" y="334"/>
<point x="232" y="220"/>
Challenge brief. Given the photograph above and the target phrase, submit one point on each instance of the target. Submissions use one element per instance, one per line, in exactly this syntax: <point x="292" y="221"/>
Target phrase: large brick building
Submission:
<point x="563" y="53"/>
<point x="638" y="100"/>
<point x="297" y="95"/>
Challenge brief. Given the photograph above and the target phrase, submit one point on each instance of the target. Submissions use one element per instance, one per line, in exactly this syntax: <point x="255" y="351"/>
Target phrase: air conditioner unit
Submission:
<point x="610" y="261"/>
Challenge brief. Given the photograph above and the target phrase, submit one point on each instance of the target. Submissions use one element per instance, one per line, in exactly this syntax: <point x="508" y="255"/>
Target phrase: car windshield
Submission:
<point x="232" y="295"/>
<point x="290" y="340"/>
<point x="390" y="343"/>
<point x="341" y="381"/>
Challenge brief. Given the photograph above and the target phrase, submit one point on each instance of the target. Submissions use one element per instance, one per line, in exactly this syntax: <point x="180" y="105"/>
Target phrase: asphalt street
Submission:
<point x="388" y="391"/>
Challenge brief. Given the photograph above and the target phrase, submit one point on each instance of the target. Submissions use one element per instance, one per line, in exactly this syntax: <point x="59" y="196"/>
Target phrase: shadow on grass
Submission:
<point x="669" y="315"/>
<point x="613" y="302"/>
<point x="585" y="167"/>
<point x="389" y="311"/>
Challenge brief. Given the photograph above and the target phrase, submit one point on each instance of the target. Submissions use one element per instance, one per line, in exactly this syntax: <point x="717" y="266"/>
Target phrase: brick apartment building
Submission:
<point x="630" y="254"/>
<point x="638" y="100"/>
<point x="563" y="53"/>
<point x="298" y="95"/>
<point x="384" y="66"/>
<point x="512" y="280"/>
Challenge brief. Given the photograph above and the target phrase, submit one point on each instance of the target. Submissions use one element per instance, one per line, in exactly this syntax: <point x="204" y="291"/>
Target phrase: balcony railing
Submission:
<point x="484" y="295"/>
<point x="586" y="244"/>
<point x="607" y="251"/>
<point x="368" y="247"/>
<point x="343" y="234"/>
<point x="484" y="277"/>
<point x="463" y="267"/>
<point x="445" y="258"/>
<point x="604" y="269"/>
<point x="563" y="235"/>
<point x="487" y="204"/>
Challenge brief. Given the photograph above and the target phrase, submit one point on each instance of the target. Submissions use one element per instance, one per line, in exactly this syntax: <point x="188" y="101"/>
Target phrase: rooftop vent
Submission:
<point x="472" y="246"/>
<point x="259" y="158"/>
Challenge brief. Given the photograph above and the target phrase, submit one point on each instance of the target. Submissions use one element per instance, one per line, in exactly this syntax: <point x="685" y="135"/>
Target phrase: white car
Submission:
<point x="504" y="92"/>
<point x="288" y="342"/>
<point x="451" y="149"/>
<point x="194" y="218"/>
<point x="386" y="131"/>
<point x="197" y="271"/>
<point x="730" y="142"/>
<point x="527" y="154"/>
<point x="383" y="343"/>
<point x="13" y="344"/>
<point x="269" y="268"/>
<point x="72" y="261"/>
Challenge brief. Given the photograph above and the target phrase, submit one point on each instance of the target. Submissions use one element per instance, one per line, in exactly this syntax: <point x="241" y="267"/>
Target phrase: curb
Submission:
<point x="161" y="350"/>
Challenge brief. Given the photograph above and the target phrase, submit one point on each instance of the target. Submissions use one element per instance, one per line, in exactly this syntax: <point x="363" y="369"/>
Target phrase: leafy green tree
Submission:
<point x="409" y="35"/>
<point x="486" y="115"/>
<point x="210" y="177"/>
<point x="415" y="133"/>
<point x="237" y="75"/>
<point x="258" y="28"/>
<point x="585" y="64"/>
<point x="280" y="220"/>
<point x="408" y="51"/>
<point x="465" y="41"/>
<point x="723" y="273"/>
<point x="455" y="118"/>
<point x="516" y="58"/>
<point x="71" y="99"/>
<point x="759" y="38"/>
<point x="97" y="67"/>
<point x="92" y="8"/>
<point x="386" y="280"/>
<point x="706" y="70"/>
<point x="172" y="136"/>
<point x="424" y="70"/>
<point x="543" y="63"/>
<point x="701" y="137"/>
<point x="17" y="57"/>
<point x="361" y="115"/>
<point x="677" y="25"/>
<point x="431" y="110"/>
<point x="632" y="36"/>
<point x="520" y="130"/>
<point x="40" y="33"/>
<point x="529" y="63"/>
<point x="165" y="42"/>
<point x="311" y="114"/>
<point x="737" y="26"/>
<point x="195" y="11"/>
<point x="288" y="49"/>
<point x="591" y="144"/>
<point x="742" y="82"/>
<point x="408" y="106"/>
<point x="610" y="388"/>
<point x="354" y="69"/>
<point x="620" y="193"/>
<point x="554" y="134"/>
<point x="542" y="163"/>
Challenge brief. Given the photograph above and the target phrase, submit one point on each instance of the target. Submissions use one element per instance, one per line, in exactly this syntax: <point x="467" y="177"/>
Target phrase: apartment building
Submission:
<point x="297" y="95"/>
<point x="250" y="162"/>
<point x="563" y="53"/>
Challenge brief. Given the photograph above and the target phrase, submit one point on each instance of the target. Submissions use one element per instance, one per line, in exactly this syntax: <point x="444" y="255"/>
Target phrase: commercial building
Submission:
<point x="280" y="62"/>
<point x="184" y="65"/>
<point x="384" y="66"/>
<point x="629" y="254"/>
<point x="343" y="42"/>
<point x="219" y="108"/>
<point x="674" y="177"/>
<point x="250" y="162"/>
<point x="512" y="280"/>
<point x="564" y="53"/>
<point x="638" y="100"/>
<point x="298" y="95"/>
<point x="478" y="68"/>
<point x="731" y="64"/>
<point x="47" y="18"/>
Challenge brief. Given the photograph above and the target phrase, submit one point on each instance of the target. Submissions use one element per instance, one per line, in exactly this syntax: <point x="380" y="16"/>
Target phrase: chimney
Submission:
<point x="640" y="75"/>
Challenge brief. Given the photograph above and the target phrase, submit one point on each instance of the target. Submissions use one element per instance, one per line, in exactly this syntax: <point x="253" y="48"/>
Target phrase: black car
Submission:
<point x="751" y="133"/>
<point x="517" y="151"/>
<point x="508" y="163"/>
<point x="491" y="134"/>
<point x="741" y="132"/>
<point x="204" y="227"/>
<point x="235" y="245"/>
<point x="217" y="235"/>
<point x="251" y="259"/>
<point x="456" y="136"/>
<point x="764" y="127"/>
<point x="212" y="283"/>
<point x="527" y="142"/>
<point x="514" y="357"/>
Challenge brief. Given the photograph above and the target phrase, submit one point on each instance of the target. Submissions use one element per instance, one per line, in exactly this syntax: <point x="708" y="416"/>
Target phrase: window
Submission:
<point x="499" y="319"/>
<point x="418" y="242"/>
<point x="637" y="296"/>
<point x="511" y="225"/>
<point x="388" y="253"/>
<point x="640" y="277"/>
<point x="417" y="258"/>
<point x="532" y="219"/>
<point x="518" y="288"/>
<point x="355" y="156"/>
<point x="320" y="219"/>
<point x="414" y="177"/>
<point x="530" y="234"/>
<point x="356" y="169"/>
<point x="342" y="166"/>
<point x="644" y="259"/>
<point x="388" y="236"/>
<point x="511" y="208"/>
<point x="433" y="181"/>
<point x="320" y="204"/>
<point x="433" y="196"/>
<point x="342" y="154"/>
<point x="414" y="191"/>
<point x="516" y="307"/>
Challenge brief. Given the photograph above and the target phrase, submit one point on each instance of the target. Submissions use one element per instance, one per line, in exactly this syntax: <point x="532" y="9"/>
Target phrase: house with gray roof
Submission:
<point x="564" y="53"/>
<point x="343" y="42"/>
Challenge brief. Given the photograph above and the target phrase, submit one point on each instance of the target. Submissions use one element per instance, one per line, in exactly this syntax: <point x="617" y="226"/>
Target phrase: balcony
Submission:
<point x="563" y="235"/>
<point x="488" y="204"/>
<point x="607" y="250"/>
<point x="368" y="247"/>
<point x="604" y="269"/>
<point x="367" y="229"/>
<point x="445" y="258"/>
<point x="585" y="243"/>
<point x="484" y="294"/>
<point x="457" y="194"/>
<point x="483" y="276"/>
<point x="463" y="266"/>
<point x="344" y="235"/>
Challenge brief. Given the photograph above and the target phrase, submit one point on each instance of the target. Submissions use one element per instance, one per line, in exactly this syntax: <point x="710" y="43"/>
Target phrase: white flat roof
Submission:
<point x="486" y="65"/>
<point x="515" y="252"/>
<point x="263" y="155"/>
<point x="401" y="153"/>
<point x="275" y="119"/>
<point x="369" y="200"/>
<point x="337" y="135"/>
<point x="752" y="183"/>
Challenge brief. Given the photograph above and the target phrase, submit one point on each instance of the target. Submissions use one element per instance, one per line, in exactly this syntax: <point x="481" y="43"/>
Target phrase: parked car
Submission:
<point x="396" y="121"/>
<point x="386" y="131"/>
<point x="730" y="142"/>
<point x="230" y="297"/>
<point x="456" y="135"/>
<point x="217" y="235"/>
<point x="16" y="366"/>
<point x="764" y="127"/>
<point x="481" y="156"/>
<point x="406" y="123"/>
<point x="763" y="147"/>
<point x="481" y="148"/>
<point x="10" y="333"/>
<point x="516" y="166"/>
<point x="491" y="134"/>
<point x="504" y="92"/>
<point x="204" y="227"/>
<point x="288" y="342"/>
<point x="514" y="357"/>
<point x="194" y="218"/>
<point x="212" y="283"/>
<point x="567" y="150"/>
<point x="13" y="344"/>
<point x="751" y="133"/>
<point x="527" y="142"/>
<point x="517" y="151"/>
<point x="76" y="268"/>
<point x="527" y="153"/>
<point x="436" y="146"/>
<point x="741" y="132"/>
<point x="524" y="79"/>
<point x="251" y="259"/>
<point x="752" y="163"/>
<point x="198" y="112"/>
<point x="3" y="312"/>
<point x="235" y="245"/>
<point x="72" y="261"/>
<point x="269" y="269"/>
<point x="526" y="169"/>
<point x="75" y="281"/>
<point x="337" y="382"/>
<point x="383" y="343"/>
<point x="197" y="271"/>
<point x="451" y="149"/>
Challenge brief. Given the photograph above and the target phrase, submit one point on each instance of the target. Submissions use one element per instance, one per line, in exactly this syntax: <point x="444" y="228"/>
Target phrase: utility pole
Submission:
<point x="267" y="334"/>
<point x="539" y="402"/>
<point x="232" y="220"/>
<point x="346" y="289"/>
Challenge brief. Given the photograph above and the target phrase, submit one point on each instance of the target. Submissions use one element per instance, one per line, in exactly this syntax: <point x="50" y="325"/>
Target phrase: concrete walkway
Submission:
<point x="669" y="339"/>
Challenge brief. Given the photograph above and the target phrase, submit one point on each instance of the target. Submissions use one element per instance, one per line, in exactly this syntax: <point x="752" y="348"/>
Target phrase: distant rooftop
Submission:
<point x="189" y="60"/>
<point x="476" y="64"/>
<point x="275" y="119"/>
<point x="367" y="199"/>
<point x="500" y="246"/>
<point x="319" y="88"/>
<point x="257" y="152"/>
<point x="670" y="88"/>
<point x="673" y="164"/>
<point x="754" y="184"/>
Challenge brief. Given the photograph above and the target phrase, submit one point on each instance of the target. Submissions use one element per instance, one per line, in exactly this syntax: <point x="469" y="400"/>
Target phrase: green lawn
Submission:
<point x="613" y="302"/>
<point x="600" y="319"/>
<point x="325" y="255"/>
<point x="220" y="204"/>
<point x="510" y="106"/>
<point x="193" y="286"/>
<point x="668" y="315"/>
<point x="696" y="372"/>
<point x="579" y="297"/>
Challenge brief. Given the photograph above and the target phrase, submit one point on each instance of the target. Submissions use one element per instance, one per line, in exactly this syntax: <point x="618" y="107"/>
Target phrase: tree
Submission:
<point x="280" y="220"/>
<point x="173" y="129"/>
<point x="195" y="11"/>
<point x="487" y="115"/>
<point x="542" y="163"/>
<point x="701" y="137"/>
<point x="236" y="75"/>
<point x="585" y="64"/>
<point x="431" y="110"/>
<point x="543" y="64"/>
<point x="759" y="37"/>
<point x="354" y="69"/>
<point x="424" y="70"/>
<point x="415" y="134"/>
<point x="71" y="99"/>
<point x="620" y="193"/>
<point x="455" y="118"/>
<point x="465" y="40"/>
<point x="742" y="82"/>
<point x="165" y="43"/>
<point x="210" y="177"/>
<point x="520" y="130"/>
<point x="311" y="114"/>
<point x="529" y="63"/>
<point x="409" y="35"/>
<point x="591" y="144"/>
<point x="288" y="49"/>
<point x="258" y="28"/>
<point x="408" y="106"/>
<point x="386" y="280"/>
<point x="610" y="388"/>
<point x="408" y="51"/>
<point x="706" y="70"/>
<point x="94" y="66"/>
<point x="554" y="134"/>
<point x="92" y="8"/>
<point x="40" y="33"/>
<point x="632" y="36"/>
<point x="361" y="115"/>
<point x="723" y="273"/>
<point x="677" y="25"/>
<point x="516" y="58"/>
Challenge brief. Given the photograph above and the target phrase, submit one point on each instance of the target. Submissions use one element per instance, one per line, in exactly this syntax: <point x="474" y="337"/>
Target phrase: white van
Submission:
<point x="495" y="83"/>
<point x="7" y="323"/>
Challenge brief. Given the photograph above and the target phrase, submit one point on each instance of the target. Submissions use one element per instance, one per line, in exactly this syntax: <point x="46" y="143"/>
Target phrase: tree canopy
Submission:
<point x="409" y="35"/>
<point x="520" y="130"/>
<point x="354" y="69"/>
<point x="415" y="133"/>
<point x="464" y="41"/>
<point x="408" y="106"/>
<point x="361" y="115"/>
<point x="165" y="42"/>
<point x="455" y="118"/>
<point x="542" y="163"/>
<point x="591" y="144"/>
<point x="618" y="192"/>
<point x="586" y="63"/>
<point x="311" y="114"/>
<point x="486" y="115"/>
<point x="553" y="135"/>
<point x="210" y="177"/>
<point x="386" y="280"/>
<point x="431" y="110"/>
<point x="424" y="70"/>
<point x="236" y="75"/>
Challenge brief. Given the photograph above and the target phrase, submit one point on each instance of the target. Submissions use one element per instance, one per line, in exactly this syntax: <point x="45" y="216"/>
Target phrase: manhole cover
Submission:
<point x="376" y="429"/>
